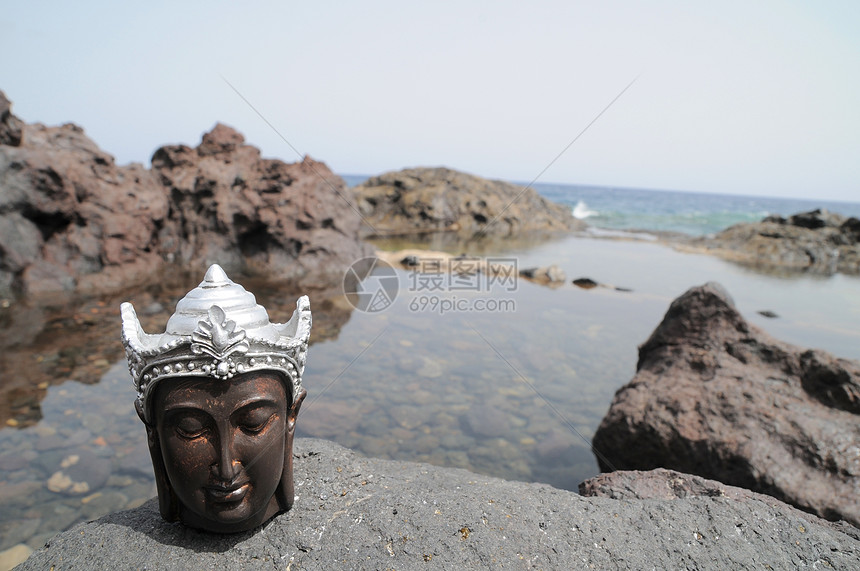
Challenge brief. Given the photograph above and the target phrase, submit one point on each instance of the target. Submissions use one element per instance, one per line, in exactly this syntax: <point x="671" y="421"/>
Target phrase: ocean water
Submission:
<point x="687" y="212"/>
<point x="690" y="213"/>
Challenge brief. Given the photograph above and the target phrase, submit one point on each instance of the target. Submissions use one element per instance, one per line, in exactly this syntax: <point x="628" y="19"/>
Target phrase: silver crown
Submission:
<point x="218" y="331"/>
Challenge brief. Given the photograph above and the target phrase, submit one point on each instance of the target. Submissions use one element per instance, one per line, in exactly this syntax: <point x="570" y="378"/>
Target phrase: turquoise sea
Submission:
<point x="687" y="212"/>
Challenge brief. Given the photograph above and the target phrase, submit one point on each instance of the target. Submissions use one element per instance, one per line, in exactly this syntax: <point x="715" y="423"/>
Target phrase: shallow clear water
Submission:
<point x="404" y="383"/>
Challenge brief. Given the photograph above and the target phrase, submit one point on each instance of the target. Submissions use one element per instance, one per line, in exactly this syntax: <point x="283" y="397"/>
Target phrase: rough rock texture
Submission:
<point x="72" y="220"/>
<point x="439" y="199"/>
<point x="226" y="203"/>
<point x="358" y="513"/>
<point x="818" y="241"/>
<point x="716" y="396"/>
<point x="68" y="213"/>
<point x="10" y="126"/>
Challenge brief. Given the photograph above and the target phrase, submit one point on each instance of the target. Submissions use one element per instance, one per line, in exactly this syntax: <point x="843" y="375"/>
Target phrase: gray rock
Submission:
<point x="817" y="242"/>
<point x="486" y="420"/>
<point x="361" y="513"/>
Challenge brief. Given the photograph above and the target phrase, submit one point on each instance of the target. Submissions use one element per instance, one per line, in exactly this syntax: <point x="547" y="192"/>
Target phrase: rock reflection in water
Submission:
<point x="48" y="342"/>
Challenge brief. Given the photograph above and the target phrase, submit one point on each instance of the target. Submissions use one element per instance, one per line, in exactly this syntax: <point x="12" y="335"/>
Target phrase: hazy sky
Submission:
<point x="742" y="97"/>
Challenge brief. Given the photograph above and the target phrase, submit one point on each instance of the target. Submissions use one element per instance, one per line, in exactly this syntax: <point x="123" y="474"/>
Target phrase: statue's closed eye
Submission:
<point x="257" y="419"/>
<point x="190" y="427"/>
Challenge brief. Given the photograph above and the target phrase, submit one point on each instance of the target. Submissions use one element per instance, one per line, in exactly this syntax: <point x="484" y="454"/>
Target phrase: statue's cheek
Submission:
<point x="263" y="452"/>
<point x="190" y="459"/>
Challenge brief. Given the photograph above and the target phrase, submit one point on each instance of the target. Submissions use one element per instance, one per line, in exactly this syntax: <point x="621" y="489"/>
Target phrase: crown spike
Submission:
<point x="215" y="276"/>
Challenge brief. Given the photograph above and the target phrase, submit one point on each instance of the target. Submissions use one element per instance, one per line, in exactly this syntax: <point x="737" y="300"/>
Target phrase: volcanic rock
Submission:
<point x="10" y="126"/>
<point x="715" y="396"/>
<point x="662" y="484"/>
<point x="68" y="213"/>
<point x="72" y="220"/>
<point x="227" y="204"/>
<point x="421" y="200"/>
<point x="364" y="513"/>
<point x="817" y="241"/>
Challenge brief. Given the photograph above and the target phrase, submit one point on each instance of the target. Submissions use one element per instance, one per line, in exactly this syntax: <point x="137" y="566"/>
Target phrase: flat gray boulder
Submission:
<point x="361" y="513"/>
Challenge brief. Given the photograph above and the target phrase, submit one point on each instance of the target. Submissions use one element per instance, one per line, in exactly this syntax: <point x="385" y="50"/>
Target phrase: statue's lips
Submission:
<point x="227" y="494"/>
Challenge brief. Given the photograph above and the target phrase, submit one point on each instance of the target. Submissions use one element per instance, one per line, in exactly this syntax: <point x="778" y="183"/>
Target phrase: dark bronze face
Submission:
<point x="223" y="445"/>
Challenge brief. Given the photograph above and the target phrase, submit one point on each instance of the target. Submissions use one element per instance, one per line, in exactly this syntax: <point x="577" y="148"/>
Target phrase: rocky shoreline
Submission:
<point x="363" y="513"/>
<point x="817" y="242"/>
<point x="71" y="220"/>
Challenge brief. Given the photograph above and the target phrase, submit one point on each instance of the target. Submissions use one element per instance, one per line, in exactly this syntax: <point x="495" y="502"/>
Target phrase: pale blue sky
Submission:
<point x="734" y="97"/>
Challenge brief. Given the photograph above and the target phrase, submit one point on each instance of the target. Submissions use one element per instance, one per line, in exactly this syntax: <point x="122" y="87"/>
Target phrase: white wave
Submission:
<point x="581" y="211"/>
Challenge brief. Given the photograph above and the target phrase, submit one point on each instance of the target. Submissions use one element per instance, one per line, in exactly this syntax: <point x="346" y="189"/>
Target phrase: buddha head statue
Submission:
<point x="219" y="392"/>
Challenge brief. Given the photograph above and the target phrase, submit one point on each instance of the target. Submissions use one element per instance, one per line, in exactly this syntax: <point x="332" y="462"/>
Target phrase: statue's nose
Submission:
<point x="227" y="467"/>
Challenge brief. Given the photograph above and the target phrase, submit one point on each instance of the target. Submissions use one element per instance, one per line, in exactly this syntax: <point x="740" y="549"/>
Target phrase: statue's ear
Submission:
<point x="286" y="493"/>
<point x="168" y="505"/>
<point x="293" y="413"/>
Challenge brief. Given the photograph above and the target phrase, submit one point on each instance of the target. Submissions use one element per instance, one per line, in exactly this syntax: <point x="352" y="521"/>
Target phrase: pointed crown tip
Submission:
<point x="215" y="274"/>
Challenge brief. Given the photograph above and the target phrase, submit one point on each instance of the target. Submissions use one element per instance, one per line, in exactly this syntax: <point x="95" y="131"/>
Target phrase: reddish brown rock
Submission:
<point x="422" y="200"/>
<point x="228" y="205"/>
<point x="72" y="220"/>
<point x="68" y="213"/>
<point x="10" y="126"/>
<point x="718" y="397"/>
